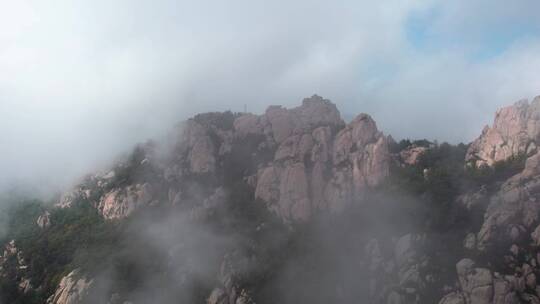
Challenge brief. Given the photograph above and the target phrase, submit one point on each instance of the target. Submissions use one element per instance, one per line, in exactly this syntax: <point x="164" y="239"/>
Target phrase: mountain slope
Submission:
<point x="291" y="206"/>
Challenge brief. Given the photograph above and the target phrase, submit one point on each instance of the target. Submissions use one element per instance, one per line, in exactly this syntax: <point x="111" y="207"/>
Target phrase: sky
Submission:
<point x="83" y="81"/>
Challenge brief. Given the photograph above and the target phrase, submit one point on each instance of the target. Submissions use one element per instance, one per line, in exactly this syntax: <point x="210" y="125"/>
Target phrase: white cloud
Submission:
<point x="81" y="81"/>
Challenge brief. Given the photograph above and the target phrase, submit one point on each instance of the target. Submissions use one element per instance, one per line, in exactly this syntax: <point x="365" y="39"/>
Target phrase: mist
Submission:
<point x="93" y="93"/>
<point x="83" y="82"/>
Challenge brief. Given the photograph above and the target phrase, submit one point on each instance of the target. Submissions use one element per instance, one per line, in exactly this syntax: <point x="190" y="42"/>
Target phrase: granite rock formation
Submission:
<point x="515" y="130"/>
<point x="304" y="160"/>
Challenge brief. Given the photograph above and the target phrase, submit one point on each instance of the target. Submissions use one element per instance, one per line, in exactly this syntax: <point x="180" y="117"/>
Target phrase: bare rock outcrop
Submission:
<point x="120" y="203"/>
<point x="516" y="130"/>
<point x="201" y="149"/>
<point x="411" y="155"/>
<point x="73" y="289"/>
<point x="517" y="203"/>
<point x="315" y="168"/>
<point x="44" y="220"/>
<point x="509" y="235"/>
<point x="301" y="160"/>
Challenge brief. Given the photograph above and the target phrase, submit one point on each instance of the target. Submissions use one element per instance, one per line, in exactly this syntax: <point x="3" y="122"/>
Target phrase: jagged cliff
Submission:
<point x="301" y="160"/>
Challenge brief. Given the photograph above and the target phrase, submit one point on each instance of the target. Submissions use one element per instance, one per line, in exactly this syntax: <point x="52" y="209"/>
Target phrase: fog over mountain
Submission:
<point x="263" y="152"/>
<point x="82" y="81"/>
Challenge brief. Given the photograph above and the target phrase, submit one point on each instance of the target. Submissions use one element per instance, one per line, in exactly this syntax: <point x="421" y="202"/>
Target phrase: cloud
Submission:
<point x="83" y="81"/>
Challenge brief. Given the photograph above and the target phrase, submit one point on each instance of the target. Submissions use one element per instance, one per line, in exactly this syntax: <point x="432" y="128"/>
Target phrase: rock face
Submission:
<point x="509" y="237"/>
<point x="316" y="168"/>
<point x="302" y="160"/>
<point x="44" y="220"/>
<point x="514" y="207"/>
<point x="411" y="155"/>
<point x="120" y="203"/>
<point x="516" y="130"/>
<point x="73" y="289"/>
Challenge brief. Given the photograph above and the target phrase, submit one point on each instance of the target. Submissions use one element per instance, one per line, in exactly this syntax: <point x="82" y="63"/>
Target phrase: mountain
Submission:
<point x="290" y="206"/>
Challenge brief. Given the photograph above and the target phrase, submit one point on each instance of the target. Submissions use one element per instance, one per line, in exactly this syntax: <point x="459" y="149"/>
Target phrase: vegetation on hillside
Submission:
<point x="301" y="263"/>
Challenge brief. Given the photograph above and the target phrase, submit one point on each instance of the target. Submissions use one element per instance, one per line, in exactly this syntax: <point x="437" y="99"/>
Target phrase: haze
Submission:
<point x="82" y="81"/>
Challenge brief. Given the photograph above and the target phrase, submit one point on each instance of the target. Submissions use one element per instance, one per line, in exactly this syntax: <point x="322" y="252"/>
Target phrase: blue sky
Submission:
<point x="485" y="44"/>
<point x="82" y="81"/>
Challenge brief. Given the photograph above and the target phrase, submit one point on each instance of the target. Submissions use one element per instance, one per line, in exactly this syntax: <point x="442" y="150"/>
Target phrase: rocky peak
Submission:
<point x="324" y="168"/>
<point x="515" y="130"/>
<point x="316" y="111"/>
<point x="312" y="161"/>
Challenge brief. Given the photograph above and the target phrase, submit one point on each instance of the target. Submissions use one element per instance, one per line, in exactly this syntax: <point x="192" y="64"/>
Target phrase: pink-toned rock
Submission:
<point x="339" y="190"/>
<point x="201" y="157"/>
<point x="282" y="122"/>
<point x="316" y="111"/>
<point x="294" y="201"/>
<point x="355" y="136"/>
<point x="73" y="288"/>
<point x="514" y="203"/>
<point x="314" y="170"/>
<point x="268" y="185"/>
<point x="376" y="162"/>
<point x="323" y="144"/>
<point x="411" y="156"/>
<point x="120" y="203"/>
<point x="318" y="184"/>
<point x="515" y="130"/>
<point x="248" y="124"/>
<point x="67" y="199"/>
<point x="196" y="146"/>
<point x="294" y="147"/>
<point x="307" y="160"/>
<point x="364" y="150"/>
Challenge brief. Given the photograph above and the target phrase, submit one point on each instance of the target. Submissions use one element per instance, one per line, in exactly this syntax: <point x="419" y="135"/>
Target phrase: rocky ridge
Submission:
<point x="304" y="160"/>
